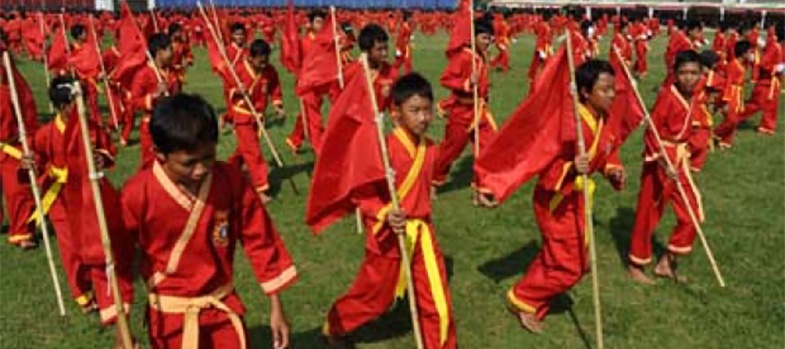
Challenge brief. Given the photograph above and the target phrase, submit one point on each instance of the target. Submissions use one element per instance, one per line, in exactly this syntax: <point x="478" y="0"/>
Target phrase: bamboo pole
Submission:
<point x="33" y="180"/>
<point x="106" y="78"/>
<point x="588" y="224"/>
<point x="46" y="57"/>
<point x="106" y="243"/>
<point x="337" y="47"/>
<point x="475" y="88"/>
<point x="679" y="187"/>
<point x="390" y="176"/>
<point x="217" y="23"/>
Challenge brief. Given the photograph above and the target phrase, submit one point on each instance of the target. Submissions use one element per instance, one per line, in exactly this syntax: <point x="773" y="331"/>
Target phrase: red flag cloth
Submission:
<point x="58" y="51"/>
<point x="320" y="63"/>
<point x="85" y="58"/>
<point x="217" y="61"/>
<point x="533" y="135"/>
<point x="290" y="43"/>
<point x="8" y="123"/>
<point x="461" y="34"/>
<point x="349" y="160"/>
<point x="33" y="37"/>
<point x="626" y="112"/>
<point x="132" y="47"/>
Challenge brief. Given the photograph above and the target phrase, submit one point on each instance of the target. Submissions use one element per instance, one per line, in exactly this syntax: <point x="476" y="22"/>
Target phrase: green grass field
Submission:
<point x="486" y="250"/>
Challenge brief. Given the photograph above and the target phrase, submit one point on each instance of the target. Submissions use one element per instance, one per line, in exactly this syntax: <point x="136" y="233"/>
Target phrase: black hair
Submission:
<point x="684" y="57"/>
<point x="482" y="27"/>
<point x="412" y="84"/>
<point x="174" y="28"/>
<point x="585" y="26"/>
<point x="623" y="24"/>
<point x="692" y="25"/>
<point x="405" y="15"/>
<point x="779" y="30"/>
<point x="259" y="47"/>
<point x="370" y="35"/>
<point x="77" y="30"/>
<point x="183" y="122"/>
<point x="709" y="58"/>
<point x="316" y="13"/>
<point x="588" y="73"/>
<point x="61" y="91"/>
<point x="158" y="42"/>
<point x="741" y="48"/>
<point x="347" y="28"/>
<point x="237" y="26"/>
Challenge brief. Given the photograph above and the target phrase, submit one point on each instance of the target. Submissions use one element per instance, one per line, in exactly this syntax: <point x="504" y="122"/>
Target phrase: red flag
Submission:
<point x="86" y="59"/>
<point x="217" y="60"/>
<point x="25" y="96"/>
<point x="461" y="34"/>
<point x="290" y="45"/>
<point x="533" y="135"/>
<point x="320" y="64"/>
<point x="626" y="112"/>
<point x="349" y="158"/>
<point x="132" y="47"/>
<point x="33" y="37"/>
<point x="58" y="51"/>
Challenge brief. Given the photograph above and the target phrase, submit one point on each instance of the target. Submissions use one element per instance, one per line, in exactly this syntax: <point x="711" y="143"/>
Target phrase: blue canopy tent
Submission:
<point x="419" y="4"/>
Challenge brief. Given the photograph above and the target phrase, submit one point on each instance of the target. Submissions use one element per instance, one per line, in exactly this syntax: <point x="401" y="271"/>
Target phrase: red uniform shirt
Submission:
<point x="671" y="115"/>
<point x="145" y="85"/>
<point x="261" y="88"/>
<point x="456" y="76"/>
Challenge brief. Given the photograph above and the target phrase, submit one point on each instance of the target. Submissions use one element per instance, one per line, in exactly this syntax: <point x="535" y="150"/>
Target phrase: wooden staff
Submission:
<point x="33" y="180"/>
<point x="679" y="187"/>
<point x="155" y="21"/>
<point x="475" y="90"/>
<point x="259" y="124"/>
<point x="217" y="23"/>
<point x="589" y="225"/>
<point x="103" y="71"/>
<point x="46" y="58"/>
<point x="106" y="243"/>
<point x="337" y="47"/>
<point x="390" y="176"/>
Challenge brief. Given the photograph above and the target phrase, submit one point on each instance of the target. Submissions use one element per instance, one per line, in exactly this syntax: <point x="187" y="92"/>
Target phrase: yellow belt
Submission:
<point x="60" y="176"/>
<point x="415" y="227"/>
<point x="191" y="307"/>
<point x="12" y="151"/>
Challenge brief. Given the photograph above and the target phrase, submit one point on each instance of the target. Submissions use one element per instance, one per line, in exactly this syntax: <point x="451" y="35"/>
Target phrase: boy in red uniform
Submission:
<point x="374" y="290"/>
<point x="182" y="57"/>
<point x="702" y="120"/>
<point x="153" y="81"/>
<point x="542" y="49"/>
<point x="373" y="42"/>
<point x="765" y="96"/>
<point x="17" y="194"/>
<point x="460" y="79"/>
<point x="559" y="203"/>
<point x="502" y="37"/>
<point x="187" y="213"/>
<point x="260" y="82"/>
<point x="672" y="116"/>
<point x="403" y="46"/>
<point x="681" y="40"/>
<point x="733" y="96"/>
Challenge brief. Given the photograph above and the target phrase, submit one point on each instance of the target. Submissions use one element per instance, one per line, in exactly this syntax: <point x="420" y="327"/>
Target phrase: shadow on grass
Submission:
<point x="510" y="265"/>
<point x="621" y="227"/>
<point x="460" y="176"/>
<point x="262" y="337"/>
<point x="280" y="177"/>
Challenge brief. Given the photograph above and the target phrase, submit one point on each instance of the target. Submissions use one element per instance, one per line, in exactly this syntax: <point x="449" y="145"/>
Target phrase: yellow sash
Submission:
<point x="60" y="176"/>
<point x="12" y="151"/>
<point x="191" y="307"/>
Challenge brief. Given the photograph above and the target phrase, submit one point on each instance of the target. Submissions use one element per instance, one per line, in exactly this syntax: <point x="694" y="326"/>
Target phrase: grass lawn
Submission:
<point x="486" y="250"/>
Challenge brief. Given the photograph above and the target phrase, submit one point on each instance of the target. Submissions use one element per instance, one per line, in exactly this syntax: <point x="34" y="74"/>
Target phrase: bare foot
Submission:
<point x="486" y="200"/>
<point x="528" y="321"/>
<point x="637" y="274"/>
<point x="434" y="191"/>
<point x="27" y="245"/>
<point x="666" y="268"/>
<point x="265" y="198"/>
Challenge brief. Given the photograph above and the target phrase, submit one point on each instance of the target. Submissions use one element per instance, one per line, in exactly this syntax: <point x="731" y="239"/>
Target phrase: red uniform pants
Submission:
<point x="765" y="97"/>
<point x="457" y="134"/>
<point x="312" y="107"/>
<point x="373" y="292"/>
<point x="656" y="192"/>
<point x="502" y="59"/>
<point x="726" y="131"/>
<point x="562" y="259"/>
<point x="127" y="118"/>
<point x="76" y="273"/>
<point x="18" y="199"/>
<point x="249" y="153"/>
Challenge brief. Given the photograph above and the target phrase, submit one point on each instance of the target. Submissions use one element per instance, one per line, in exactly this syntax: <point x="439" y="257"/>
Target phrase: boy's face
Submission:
<point x="189" y="168"/>
<point x="696" y="33"/>
<point x="238" y="37"/>
<point x="414" y="115"/>
<point x="602" y="94"/>
<point x="687" y="77"/>
<point x="165" y="55"/>
<point x="259" y="62"/>
<point x="317" y="24"/>
<point x="483" y="40"/>
<point x="379" y="52"/>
